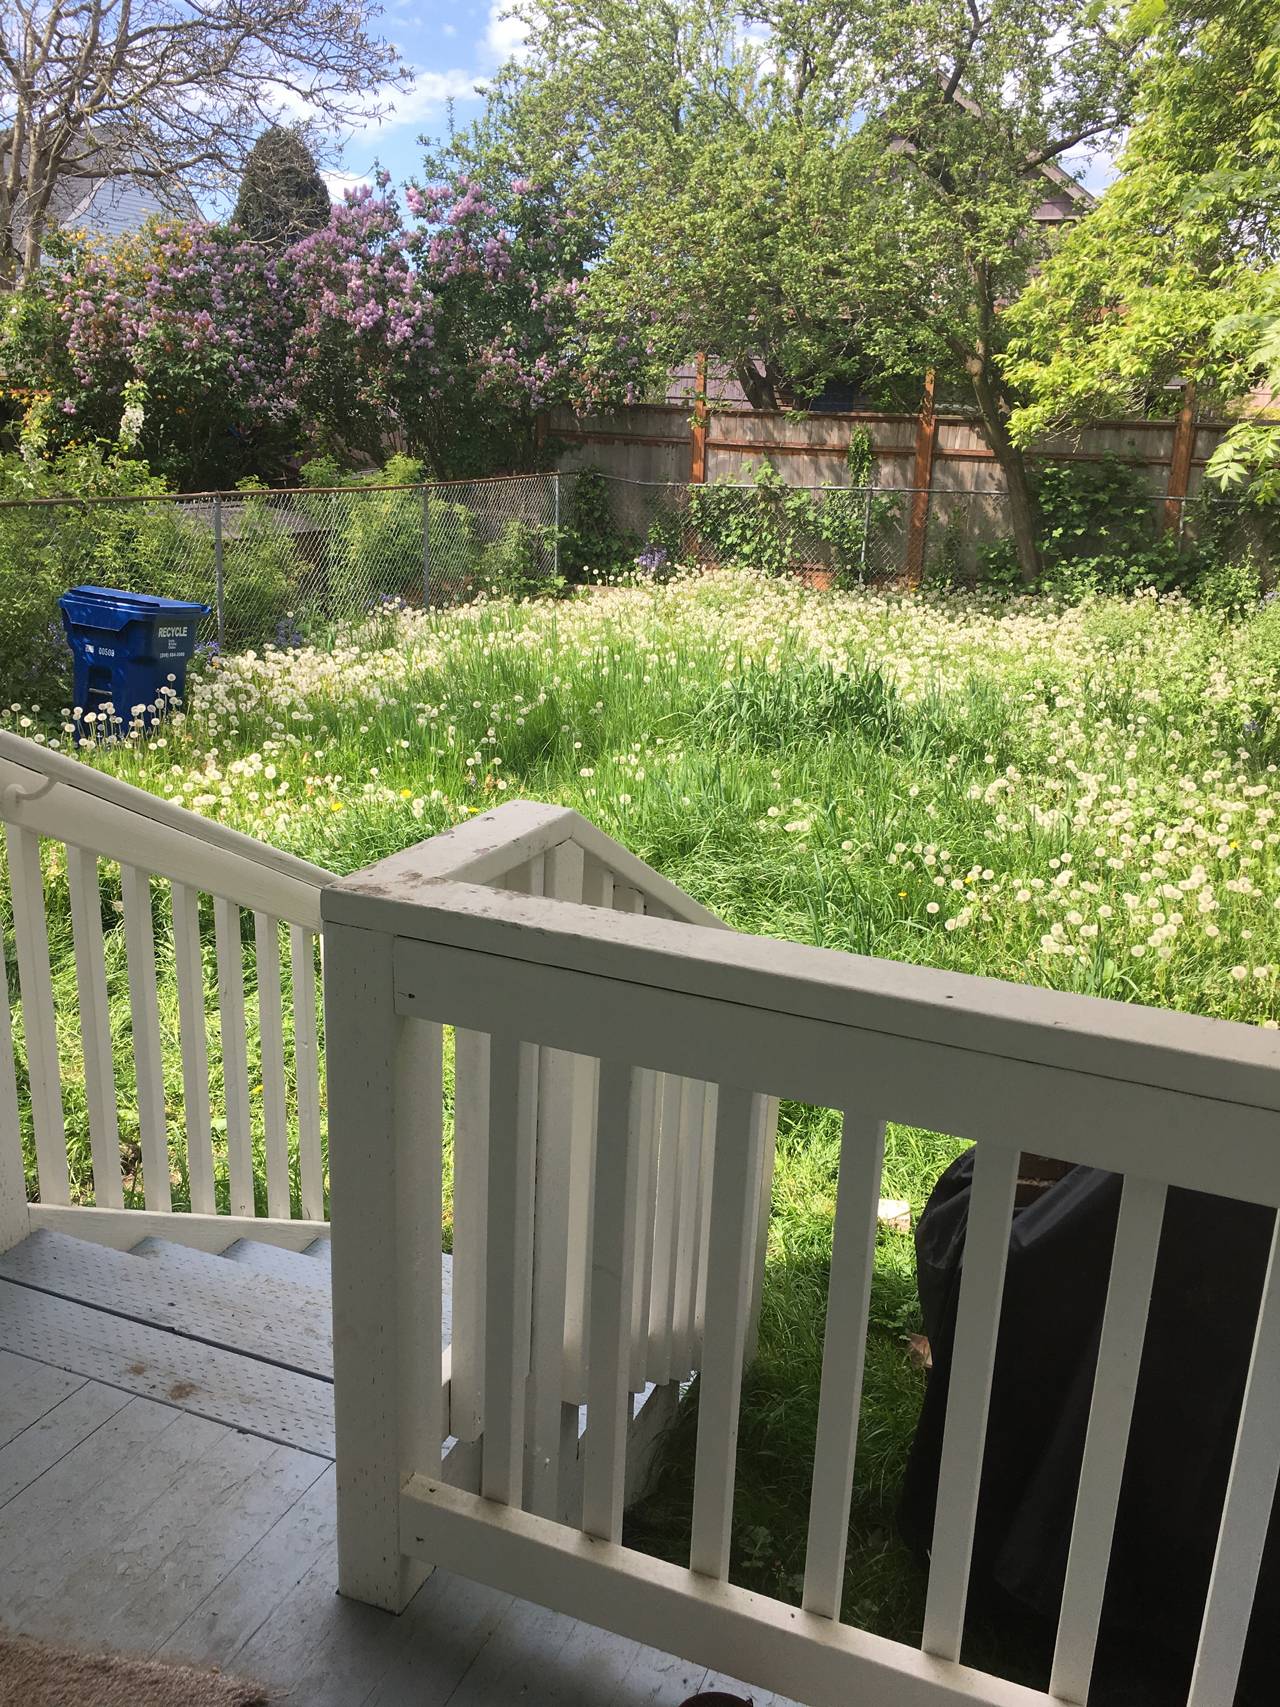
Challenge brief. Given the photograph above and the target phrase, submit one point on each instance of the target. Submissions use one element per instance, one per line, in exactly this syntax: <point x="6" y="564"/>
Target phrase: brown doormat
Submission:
<point x="34" y="1675"/>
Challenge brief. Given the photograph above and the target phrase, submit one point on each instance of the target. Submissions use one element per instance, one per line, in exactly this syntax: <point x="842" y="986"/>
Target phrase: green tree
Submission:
<point x="282" y="195"/>
<point x="1173" y="277"/>
<point x="844" y="185"/>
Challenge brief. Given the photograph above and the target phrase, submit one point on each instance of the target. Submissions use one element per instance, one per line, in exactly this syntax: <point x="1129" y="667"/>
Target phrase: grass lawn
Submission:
<point x="1083" y="798"/>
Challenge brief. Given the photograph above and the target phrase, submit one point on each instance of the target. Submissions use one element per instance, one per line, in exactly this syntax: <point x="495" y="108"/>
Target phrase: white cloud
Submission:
<point x="504" y="37"/>
<point x="448" y="29"/>
<point x="336" y="182"/>
<point x="426" y="96"/>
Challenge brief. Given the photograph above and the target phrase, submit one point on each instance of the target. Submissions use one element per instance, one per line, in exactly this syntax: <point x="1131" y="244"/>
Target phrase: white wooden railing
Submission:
<point x="592" y="1017"/>
<point x="64" y="819"/>
<point x="63" y="822"/>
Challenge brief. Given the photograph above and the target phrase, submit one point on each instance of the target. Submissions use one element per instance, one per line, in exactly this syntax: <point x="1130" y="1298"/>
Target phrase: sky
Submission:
<point x="453" y="47"/>
<point x="450" y="48"/>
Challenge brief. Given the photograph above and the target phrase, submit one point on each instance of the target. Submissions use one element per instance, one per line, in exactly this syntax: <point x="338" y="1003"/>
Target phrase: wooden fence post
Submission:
<point x="1184" y="439"/>
<point x="921" y="479"/>
<point x="698" y="435"/>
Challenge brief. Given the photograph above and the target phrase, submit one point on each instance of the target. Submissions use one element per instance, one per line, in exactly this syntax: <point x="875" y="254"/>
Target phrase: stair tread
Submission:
<point x="297" y="1266"/>
<point x="195" y="1294"/>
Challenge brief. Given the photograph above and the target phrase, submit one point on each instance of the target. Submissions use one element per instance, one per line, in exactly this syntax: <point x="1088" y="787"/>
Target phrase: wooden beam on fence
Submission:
<point x="698" y="433"/>
<point x="1184" y="439"/>
<point x="921" y="479"/>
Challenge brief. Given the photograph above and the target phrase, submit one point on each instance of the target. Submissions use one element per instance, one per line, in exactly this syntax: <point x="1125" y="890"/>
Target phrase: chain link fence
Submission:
<point x="285" y="567"/>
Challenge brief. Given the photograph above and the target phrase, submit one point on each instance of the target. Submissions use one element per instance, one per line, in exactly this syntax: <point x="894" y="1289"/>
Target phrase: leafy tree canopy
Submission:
<point x="1174" y="277"/>
<point x="817" y="187"/>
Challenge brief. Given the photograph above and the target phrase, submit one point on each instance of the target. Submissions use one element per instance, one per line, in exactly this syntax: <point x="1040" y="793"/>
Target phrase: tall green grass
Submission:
<point x="1081" y="798"/>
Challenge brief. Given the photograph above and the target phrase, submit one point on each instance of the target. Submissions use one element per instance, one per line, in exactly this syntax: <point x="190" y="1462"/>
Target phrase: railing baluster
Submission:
<point x="513" y="1082"/>
<point x="693" y="1118"/>
<point x="266" y="938"/>
<point x="235" y="1054"/>
<point x="306" y="1063"/>
<point x="13" y="1182"/>
<point x="39" y="1028"/>
<point x="663" y="1285"/>
<point x="986" y="1249"/>
<point x="562" y="877"/>
<point x="649" y="1114"/>
<point x="95" y="1026"/>
<point x="195" y="1048"/>
<point x="140" y="948"/>
<point x="612" y="1279"/>
<point x="1247" y="1511"/>
<point x="470" y="1230"/>
<point x="853" y="1247"/>
<point x="766" y="1110"/>
<point x="702" y="1224"/>
<point x="1133" y="1267"/>
<point x="728" y="1295"/>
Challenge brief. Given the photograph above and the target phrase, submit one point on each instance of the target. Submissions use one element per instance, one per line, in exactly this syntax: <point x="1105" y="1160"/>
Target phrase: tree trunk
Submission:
<point x="757" y="386"/>
<point x="1012" y="464"/>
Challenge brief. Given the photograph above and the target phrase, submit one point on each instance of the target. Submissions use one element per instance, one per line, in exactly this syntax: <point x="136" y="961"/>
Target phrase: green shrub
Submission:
<point x="519" y="564"/>
<point x="262" y="569"/>
<point x="768" y="526"/>
<point x="1231" y="585"/>
<point x="591" y="543"/>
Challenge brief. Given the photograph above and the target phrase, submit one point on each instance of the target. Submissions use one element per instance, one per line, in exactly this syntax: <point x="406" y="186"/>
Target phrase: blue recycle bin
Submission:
<point x="126" y="646"/>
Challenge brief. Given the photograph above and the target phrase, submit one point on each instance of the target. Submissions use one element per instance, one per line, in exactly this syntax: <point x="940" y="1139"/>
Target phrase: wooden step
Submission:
<point x="297" y="1266"/>
<point x="197" y="1295"/>
<point x="244" y="1392"/>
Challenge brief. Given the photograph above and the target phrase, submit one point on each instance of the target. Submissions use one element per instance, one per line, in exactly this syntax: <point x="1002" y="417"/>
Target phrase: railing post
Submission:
<point x="384" y="1076"/>
<point x="921" y="480"/>
<point x="1184" y="439"/>
<point x="698" y="433"/>
<point x="219" y="587"/>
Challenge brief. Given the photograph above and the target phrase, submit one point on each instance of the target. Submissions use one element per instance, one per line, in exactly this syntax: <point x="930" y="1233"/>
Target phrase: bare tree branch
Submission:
<point x="162" y="90"/>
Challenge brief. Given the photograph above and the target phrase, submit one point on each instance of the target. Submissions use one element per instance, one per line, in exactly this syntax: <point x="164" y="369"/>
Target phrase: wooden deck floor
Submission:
<point x="132" y="1523"/>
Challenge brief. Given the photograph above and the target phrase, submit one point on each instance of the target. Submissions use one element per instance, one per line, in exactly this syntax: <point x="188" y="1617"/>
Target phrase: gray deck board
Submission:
<point x="278" y="1404"/>
<point x="149" y="1505"/>
<point x="46" y="1441"/>
<point x="27" y="1391"/>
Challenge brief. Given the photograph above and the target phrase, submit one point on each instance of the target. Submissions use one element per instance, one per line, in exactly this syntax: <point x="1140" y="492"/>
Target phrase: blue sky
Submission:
<point x="450" y="48"/>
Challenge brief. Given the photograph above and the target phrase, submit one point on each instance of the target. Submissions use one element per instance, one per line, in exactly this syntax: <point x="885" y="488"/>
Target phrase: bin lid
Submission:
<point x="112" y="608"/>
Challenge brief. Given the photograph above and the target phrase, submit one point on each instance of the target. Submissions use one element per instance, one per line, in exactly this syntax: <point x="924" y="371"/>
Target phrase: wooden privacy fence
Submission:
<point x="628" y="1001"/>
<point x="939" y="457"/>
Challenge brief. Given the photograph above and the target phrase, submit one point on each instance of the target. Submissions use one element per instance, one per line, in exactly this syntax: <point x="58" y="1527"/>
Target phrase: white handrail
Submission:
<point x="1163" y="1098"/>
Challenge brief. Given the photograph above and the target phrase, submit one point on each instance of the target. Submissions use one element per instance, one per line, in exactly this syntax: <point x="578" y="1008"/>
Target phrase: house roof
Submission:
<point x="113" y="207"/>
